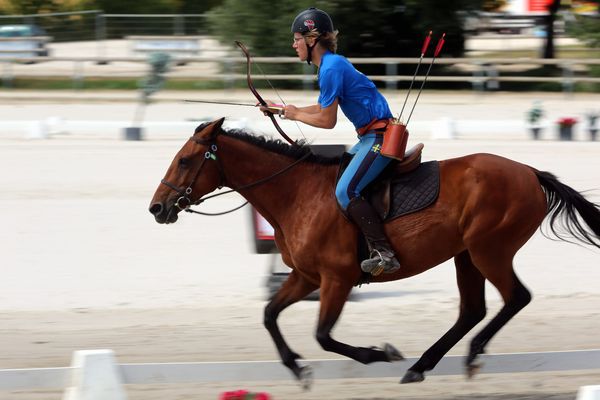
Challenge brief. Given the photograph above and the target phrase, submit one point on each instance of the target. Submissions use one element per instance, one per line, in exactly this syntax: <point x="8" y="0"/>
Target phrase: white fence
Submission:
<point x="480" y="73"/>
<point x="95" y="375"/>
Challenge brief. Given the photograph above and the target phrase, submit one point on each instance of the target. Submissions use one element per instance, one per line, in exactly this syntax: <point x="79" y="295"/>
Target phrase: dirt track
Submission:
<point x="85" y="266"/>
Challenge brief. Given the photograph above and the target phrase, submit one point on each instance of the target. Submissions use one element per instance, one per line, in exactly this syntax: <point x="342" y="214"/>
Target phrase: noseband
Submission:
<point x="184" y="201"/>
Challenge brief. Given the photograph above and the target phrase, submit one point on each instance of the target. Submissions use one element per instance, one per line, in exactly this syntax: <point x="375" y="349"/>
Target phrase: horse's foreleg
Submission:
<point x="471" y="286"/>
<point x="333" y="296"/>
<point x="295" y="288"/>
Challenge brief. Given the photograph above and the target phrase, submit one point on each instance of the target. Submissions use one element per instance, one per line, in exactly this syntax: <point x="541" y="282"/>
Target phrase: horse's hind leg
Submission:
<point x="294" y="289"/>
<point x="514" y="294"/>
<point x="471" y="286"/>
<point x="334" y="294"/>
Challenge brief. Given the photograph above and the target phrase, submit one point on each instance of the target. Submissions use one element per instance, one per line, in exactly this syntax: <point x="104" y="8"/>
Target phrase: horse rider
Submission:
<point x="315" y="41"/>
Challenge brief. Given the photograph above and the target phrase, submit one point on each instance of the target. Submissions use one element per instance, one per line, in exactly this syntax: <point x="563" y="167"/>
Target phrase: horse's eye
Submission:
<point x="184" y="162"/>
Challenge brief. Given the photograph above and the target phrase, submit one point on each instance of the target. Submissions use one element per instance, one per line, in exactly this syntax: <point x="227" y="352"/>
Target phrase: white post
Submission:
<point x="589" y="393"/>
<point x="95" y="376"/>
<point x="37" y="130"/>
<point x="444" y="128"/>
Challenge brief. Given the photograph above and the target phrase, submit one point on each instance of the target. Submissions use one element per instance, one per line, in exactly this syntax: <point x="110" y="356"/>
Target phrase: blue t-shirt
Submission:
<point x="357" y="95"/>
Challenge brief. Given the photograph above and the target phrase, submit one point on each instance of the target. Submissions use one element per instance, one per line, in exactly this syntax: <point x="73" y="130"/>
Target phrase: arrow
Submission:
<point x="273" y="109"/>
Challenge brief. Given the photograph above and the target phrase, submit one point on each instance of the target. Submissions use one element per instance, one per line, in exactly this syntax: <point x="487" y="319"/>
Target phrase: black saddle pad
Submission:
<point x="409" y="192"/>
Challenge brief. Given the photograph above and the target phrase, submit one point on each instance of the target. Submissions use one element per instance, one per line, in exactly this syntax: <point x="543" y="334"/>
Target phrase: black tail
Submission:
<point x="564" y="203"/>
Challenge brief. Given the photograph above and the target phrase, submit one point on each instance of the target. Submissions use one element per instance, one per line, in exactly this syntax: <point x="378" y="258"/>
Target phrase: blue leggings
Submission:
<point x="365" y="166"/>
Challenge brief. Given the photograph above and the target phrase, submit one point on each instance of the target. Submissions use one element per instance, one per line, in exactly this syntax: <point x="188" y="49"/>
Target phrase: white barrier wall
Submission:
<point x="95" y="374"/>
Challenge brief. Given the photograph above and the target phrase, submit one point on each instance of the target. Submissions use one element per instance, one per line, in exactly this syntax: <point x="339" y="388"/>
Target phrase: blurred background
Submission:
<point x="496" y="45"/>
<point x="119" y="50"/>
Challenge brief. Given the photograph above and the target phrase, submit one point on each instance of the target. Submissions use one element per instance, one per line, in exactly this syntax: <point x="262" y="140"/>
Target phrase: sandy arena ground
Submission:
<point x="84" y="266"/>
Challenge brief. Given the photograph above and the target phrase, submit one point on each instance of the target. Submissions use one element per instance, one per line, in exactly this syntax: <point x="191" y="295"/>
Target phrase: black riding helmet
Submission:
<point x="312" y="18"/>
<point x="309" y="19"/>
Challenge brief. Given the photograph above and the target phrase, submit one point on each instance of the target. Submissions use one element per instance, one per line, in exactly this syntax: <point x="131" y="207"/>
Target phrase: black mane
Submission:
<point x="276" y="145"/>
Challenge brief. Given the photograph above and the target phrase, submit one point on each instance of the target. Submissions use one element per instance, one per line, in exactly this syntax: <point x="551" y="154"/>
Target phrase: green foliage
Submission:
<point x="196" y="7"/>
<point x="586" y="28"/>
<point x="367" y="28"/>
<point x="136" y="7"/>
<point x="256" y="23"/>
<point x="28" y="6"/>
<point x="108" y="6"/>
<point x="95" y="84"/>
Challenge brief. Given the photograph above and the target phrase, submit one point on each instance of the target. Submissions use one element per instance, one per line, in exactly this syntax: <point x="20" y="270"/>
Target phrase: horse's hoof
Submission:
<point x="305" y="377"/>
<point x="412" y="377"/>
<point x="392" y="353"/>
<point x="473" y="369"/>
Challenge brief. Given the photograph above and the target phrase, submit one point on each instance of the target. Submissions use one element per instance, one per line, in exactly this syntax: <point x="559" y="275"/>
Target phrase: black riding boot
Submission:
<point x="382" y="256"/>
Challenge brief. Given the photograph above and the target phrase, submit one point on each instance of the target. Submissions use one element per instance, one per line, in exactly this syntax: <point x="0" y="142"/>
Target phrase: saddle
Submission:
<point x="404" y="186"/>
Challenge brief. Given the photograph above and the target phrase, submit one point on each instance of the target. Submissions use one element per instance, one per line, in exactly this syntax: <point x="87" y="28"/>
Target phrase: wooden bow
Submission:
<point x="258" y="96"/>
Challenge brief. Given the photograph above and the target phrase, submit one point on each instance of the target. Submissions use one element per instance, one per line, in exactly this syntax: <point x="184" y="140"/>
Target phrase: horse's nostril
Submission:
<point x="156" y="208"/>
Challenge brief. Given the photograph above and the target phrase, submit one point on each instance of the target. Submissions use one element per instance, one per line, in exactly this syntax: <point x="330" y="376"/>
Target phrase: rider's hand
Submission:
<point x="268" y="110"/>
<point x="291" y="112"/>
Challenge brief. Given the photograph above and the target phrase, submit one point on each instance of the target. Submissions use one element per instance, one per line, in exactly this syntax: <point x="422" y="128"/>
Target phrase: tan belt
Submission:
<point x="376" y="124"/>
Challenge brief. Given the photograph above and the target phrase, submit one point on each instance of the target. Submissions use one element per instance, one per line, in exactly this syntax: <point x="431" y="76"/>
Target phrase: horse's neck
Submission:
<point x="277" y="198"/>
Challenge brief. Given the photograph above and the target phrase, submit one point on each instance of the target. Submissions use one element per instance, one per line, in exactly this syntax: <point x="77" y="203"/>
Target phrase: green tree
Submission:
<point x="26" y="7"/>
<point x="197" y="7"/>
<point x="395" y="28"/>
<point x="254" y="23"/>
<point x="137" y="7"/>
<point x="367" y="27"/>
<point x="586" y="28"/>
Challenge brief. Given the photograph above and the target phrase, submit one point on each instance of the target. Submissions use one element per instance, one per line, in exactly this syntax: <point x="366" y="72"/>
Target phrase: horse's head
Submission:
<point x="193" y="173"/>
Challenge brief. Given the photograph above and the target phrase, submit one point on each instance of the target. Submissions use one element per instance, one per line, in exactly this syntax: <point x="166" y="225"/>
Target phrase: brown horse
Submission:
<point x="487" y="208"/>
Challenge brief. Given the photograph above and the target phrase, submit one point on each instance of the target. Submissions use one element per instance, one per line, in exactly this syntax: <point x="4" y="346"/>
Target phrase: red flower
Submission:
<point x="235" y="395"/>
<point x="244" y="395"/>
<point x="567" y="121"/>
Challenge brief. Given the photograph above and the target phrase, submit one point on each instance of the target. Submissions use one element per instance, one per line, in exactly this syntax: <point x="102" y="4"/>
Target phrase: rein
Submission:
<point x="184" y="202"/>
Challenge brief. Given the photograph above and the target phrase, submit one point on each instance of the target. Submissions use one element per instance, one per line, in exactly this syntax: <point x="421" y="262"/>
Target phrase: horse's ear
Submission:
<point x="214" y="128"/>
<point x="210" y="129"/>
<point x="217" y="124"/>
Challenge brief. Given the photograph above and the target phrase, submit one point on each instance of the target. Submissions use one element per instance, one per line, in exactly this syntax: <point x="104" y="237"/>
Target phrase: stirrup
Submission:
<point x="378" y="264"/>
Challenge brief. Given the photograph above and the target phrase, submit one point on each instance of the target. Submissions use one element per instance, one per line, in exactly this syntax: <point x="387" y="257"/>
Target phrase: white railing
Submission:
<point x="483" y="72"/>
<point x="95" y="373"/>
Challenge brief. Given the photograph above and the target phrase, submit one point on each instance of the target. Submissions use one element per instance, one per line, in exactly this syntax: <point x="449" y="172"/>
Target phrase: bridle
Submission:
<point x="184" y="201"/>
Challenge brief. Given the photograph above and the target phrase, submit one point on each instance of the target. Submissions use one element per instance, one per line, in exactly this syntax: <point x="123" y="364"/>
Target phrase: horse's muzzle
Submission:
<point x="163" y="214"/>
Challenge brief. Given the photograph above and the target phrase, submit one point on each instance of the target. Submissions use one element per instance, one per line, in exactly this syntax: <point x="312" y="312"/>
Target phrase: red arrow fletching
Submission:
<point x="426" y="44"/>
<point x="439" y="45"/>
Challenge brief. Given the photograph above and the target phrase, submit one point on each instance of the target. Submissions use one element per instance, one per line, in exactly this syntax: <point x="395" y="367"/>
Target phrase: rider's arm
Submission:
<point x="311" y="109"/>
<point x="314" y="115"/>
